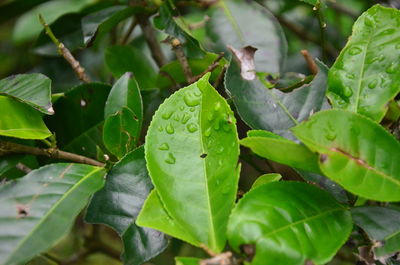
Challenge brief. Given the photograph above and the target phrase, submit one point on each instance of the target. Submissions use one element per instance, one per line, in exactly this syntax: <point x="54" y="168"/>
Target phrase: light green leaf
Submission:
<point x="187" y="261"/>
<point x="21" y="121"/>
<point x="281" y="150"/>
<point x="122" y="59"/>
<point x="241" y="23"/>
<point x="192" y="153"/>
<point x="365" y="76"/>
<point x="266" y="178"/>
<point x="33" y="219"/>
<point x="289" y="223"/>
<point x="32" y="89"/>
<point x="124" y="114"/>
<point x="355" y="152"/>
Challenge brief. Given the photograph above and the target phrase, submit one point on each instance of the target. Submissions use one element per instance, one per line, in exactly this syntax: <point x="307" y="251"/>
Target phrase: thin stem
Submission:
<point x="210" y="68"/>
<point x="14" y="148"/>
<point x="129" y="31"/>
<point x="63" y="51"/>
<point x="310" y="62"/>
<point x="150" y="36"/>
<point x="322" y="29"/>
<point x="180" y="55"/>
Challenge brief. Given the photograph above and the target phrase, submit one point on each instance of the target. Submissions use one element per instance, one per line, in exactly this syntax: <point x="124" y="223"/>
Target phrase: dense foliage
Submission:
<point x="199" y="132"/>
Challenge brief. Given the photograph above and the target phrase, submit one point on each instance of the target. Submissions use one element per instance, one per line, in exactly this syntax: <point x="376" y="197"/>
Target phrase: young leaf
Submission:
<point x="272" y="109"/>
<point x="355" y="152"/>
<point x="191" y="152"/>
<point x="122" y="59"/>
<point x="365" y="76"/>
<point x="289" y="223"/>
<point x="124" y="114"/>
<point x="37" y="210"/>
<point x="187" y="261"/>
<point x="266" y="178"/>
<point x="281" y="150"/>
<point x="32" y="89"/>
<point x="21" y="121"/>
<point x="243" y="23"/>
<point x="118" y="204"/>
<point x="378" y="223"/>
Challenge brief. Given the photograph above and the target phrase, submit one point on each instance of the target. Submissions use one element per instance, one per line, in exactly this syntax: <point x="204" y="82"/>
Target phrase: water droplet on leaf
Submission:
<point x="166" y="115"/>
<point x="207" y="133"/>
<point x="373" y="84"/>
<point x="169" y="129"/>
<point x="170" y="159"/>
<point x="191" y="99"/>
<point x="355" y="51"/>
<point x="164" y="146"/>
<point x="391" y="69"/>
<point x="185" y="118"/>
<point x="191" y="127"/>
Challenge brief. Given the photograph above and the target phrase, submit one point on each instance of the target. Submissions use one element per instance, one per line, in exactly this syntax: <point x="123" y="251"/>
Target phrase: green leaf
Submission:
<point x="118" y="204"/>
<point x="266" y="178"/>
<point x="365" y="76"/>
<point x="122" y="59"/>
<point x="78" y="118"/>
<point x="21" y="121"/>
<point x="241" y="23"/>
<point x="14" y="8"/>
<point x="124" y="114"/>
<point x="32" y="89"/>
<point x="289" y="223"/>
<point x="311" y="2"/>
<point x="174" y="71"/>
<point x="281" y="150"/>
<point x="379" y="224"/>
<point x="355" y="152"/>
<point x="271" y="109"/>
<point x="95" y="25"/>
<point x="28" y="26"/>
<point x="192" y="152"/>
<point x="33" y="219"/>
<point x="167" y="21"/>
<point x="187" y="261"/>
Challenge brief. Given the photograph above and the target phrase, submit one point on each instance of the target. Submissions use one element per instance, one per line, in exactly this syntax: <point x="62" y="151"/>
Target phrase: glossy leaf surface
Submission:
<point x="34" y="219"/>
<point x="240" y="23"/>
<point x="281" y="150"/>
<point x="118" y="204"/>
<point x="365" y="76"/>
<point x="355" y="152"/>
<point x="379" y="224"/>
<point x="266" y="178"/>
<point x="32" y="89"/>
<point x="20" y="120"/>
<point x="122" y="59"/>
<point x="289" y="223"/>
<point x="272" y="109"/>
<point x="192" y="152"/>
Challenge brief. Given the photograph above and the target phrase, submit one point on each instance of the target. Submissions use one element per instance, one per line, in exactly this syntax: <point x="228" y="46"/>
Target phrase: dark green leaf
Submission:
<point x="272" y="109"/>
<point x="35" y="218"/>
<point x="20" y="120"/>
<point x="14" y="8"/>
<point x="118" y="204"/>
<point x="289" y="223"/>
<point x="32" y="89"/>
<point x="355" y="152"/>
<point x="242" y="23"/>
<point x="365" y="76"/>
<point x="122" y="59"/>
<point x="192" y="152"/>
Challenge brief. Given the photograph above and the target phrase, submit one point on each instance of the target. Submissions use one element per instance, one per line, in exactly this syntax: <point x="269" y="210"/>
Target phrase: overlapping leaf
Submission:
<point x="289" y="223"/>
<point x="191" y="153"/>
<point x="37" y="210"/>
<point x="365" y="76"/>
<point x="355" y="152"/>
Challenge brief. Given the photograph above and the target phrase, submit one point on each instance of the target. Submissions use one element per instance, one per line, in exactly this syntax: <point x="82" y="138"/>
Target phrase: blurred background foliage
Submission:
<point x="24" y="48"/>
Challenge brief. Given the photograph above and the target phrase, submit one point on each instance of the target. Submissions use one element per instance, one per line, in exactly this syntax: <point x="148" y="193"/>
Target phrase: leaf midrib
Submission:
<point x="53" y="208"/>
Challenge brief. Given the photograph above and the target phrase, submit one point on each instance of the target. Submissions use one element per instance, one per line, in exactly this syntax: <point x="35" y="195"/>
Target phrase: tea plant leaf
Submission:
<point x="124" y="114"/>
<point x="271" y="109"/>
<point x="118" y="204"/>
<point x="20" y="120"/>
<point x="355" y="152"/>
<point x="364" y="77"/>
<point x="240" y="23"/>
<point x="378" y="223"/>
<point x="35" y="218"/>
<point x="32" y="89"/>
<point x="266" y="178"/>
<point x="281" y="150"/>
<point x="122" y="59"/>
<point x="192" y="152"/>
<point x="281" y="216"/>
<point x="14" y="8"/>
<point x="187" y="261"/>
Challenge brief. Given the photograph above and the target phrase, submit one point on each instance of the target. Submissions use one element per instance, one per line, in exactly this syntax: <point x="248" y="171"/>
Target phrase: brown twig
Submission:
<point x="310" y="62"/>
<point x="14" y="148"/>
<point x="225" y="258"/>
<point x="22" y="167"/>
<point x="220" y="77"/>
<point x="150" y="36"/>
<point x="210" y="68"/>
<point x="128" y="33"/>
<point x="64" y="52"/>
<point x="180" y="55"/>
